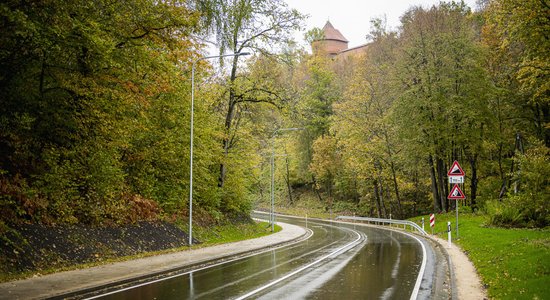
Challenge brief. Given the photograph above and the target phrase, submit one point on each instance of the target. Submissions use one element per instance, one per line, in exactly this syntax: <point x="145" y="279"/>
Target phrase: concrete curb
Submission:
<point x="74" y="282"/>
<point x="454" y="289"/>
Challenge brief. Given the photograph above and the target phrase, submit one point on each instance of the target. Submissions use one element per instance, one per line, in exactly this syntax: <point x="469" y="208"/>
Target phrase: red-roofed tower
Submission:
<point x="333" y="41"/>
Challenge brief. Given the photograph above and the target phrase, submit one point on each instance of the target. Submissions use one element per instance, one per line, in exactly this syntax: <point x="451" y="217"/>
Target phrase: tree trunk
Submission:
<point x="442" y="186"/>
<point x="378" y="169"/>
<point x="228" y="121"/>
<point x="377" y="198"/>
<point x="396" y="188"/>
<point x="291" y="201"/>
<point x="356" y="191"/>
<point x="382" y="202"/>
<point x="435" y="192"/>
<point x="394" y="176"/>
<point x="519" y="147"/>
<point x="316" y="189"/>
<point x="416" y="192"/>
<point x="473" y="182"/>
<point x="388" y="196"/>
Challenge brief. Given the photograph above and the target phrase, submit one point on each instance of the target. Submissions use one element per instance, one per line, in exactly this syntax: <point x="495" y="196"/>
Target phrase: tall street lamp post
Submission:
<point x="191" y="136"/>
<point x="273" y="173"/>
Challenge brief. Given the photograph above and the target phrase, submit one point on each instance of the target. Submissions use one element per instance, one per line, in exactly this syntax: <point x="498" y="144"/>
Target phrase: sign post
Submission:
<point x="456" y="176"/>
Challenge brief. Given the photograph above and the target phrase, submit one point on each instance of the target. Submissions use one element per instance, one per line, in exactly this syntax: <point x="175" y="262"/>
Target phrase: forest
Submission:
<point x="96" y="105"/>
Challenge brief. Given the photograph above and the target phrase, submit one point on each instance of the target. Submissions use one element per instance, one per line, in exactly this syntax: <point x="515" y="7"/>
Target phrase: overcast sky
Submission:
<point x="352" y="17"/>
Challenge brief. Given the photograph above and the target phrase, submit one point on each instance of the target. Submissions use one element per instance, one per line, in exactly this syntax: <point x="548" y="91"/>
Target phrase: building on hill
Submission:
<point x="335" y="44"/>
<point x="332" y="42"/>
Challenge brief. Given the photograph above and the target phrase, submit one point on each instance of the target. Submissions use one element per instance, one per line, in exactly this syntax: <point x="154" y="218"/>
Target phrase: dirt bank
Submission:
<point x="35" y="247"/>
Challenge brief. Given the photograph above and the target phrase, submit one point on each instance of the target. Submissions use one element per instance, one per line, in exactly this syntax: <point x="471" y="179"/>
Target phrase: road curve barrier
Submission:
<point x="379" y="221"/>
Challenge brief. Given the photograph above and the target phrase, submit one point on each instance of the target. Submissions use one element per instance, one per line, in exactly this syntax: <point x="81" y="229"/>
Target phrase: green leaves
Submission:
<point x="90" y="103"/>
<point x="416" y="100"/>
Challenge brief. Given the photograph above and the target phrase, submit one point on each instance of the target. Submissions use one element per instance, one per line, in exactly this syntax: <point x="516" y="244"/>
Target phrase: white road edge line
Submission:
<point x="341" y="249"/>
<point x="416" y="289"/>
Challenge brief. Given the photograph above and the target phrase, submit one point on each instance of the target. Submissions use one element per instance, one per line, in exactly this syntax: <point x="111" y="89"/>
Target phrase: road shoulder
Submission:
<point x="467" y="280"/>
<point x="78" y="280"/>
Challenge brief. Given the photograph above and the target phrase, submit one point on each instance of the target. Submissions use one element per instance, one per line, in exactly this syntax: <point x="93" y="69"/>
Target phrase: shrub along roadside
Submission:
<point x="513" y="263"/>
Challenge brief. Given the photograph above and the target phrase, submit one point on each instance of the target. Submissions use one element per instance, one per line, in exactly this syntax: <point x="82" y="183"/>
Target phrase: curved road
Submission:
<point x="338" y="261"/>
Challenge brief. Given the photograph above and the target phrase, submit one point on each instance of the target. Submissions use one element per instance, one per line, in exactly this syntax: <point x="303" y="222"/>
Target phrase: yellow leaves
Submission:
<point x="326" y="159"/>
<point x="522" y="28"/>
<point x="533" y="75"/>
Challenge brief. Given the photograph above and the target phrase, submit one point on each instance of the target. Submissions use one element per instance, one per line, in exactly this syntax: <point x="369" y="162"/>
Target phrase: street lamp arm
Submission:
<point x="219" y="56"/>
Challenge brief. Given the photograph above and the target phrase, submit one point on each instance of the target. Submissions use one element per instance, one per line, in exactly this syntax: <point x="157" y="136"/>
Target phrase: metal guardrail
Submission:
<point x="384" y="222"/>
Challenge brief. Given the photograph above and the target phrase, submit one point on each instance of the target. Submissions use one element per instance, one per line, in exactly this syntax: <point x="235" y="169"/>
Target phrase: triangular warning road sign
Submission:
<point x="455" y="170"/>
<point x="456" y="193"/>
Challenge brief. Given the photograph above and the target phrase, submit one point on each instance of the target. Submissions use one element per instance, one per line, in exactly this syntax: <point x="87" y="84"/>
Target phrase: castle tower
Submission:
<point x="332" y="43"/>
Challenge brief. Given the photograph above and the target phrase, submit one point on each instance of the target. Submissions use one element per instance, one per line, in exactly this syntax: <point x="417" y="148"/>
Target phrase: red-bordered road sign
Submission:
<point x="456" y="193"/>
<point x="455" y="170"/>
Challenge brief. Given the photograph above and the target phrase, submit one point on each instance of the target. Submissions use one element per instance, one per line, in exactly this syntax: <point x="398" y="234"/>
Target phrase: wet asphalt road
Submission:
<point x="338" y="261"/>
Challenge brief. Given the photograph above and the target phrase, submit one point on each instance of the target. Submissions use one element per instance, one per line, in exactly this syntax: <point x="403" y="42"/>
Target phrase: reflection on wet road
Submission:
<point x="339" y="261"/>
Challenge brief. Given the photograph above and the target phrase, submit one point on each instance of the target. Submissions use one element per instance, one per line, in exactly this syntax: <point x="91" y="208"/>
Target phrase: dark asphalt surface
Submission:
<point x="338" y="261"/>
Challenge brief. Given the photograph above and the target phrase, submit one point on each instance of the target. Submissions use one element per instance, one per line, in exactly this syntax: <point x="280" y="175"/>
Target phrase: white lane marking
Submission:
<point x="199" y="269"/>
<point x="416" y="289"/>
<point x="245" y="278"/>
<point x="332" y="254"/>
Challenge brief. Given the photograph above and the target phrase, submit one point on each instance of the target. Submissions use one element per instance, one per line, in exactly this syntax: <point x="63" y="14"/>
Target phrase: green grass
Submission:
<point x="513" y="263"/>
<point x="232" y="232"/>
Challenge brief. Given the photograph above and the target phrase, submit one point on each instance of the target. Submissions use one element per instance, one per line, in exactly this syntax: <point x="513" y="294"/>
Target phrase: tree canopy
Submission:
<point x="95" y="108"/>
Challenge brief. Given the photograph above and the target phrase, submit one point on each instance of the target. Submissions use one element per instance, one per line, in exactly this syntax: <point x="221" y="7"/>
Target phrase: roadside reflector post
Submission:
<point x="449" y="233"/>
<point x="432" y="222"/>
<point x="422" y="223"/>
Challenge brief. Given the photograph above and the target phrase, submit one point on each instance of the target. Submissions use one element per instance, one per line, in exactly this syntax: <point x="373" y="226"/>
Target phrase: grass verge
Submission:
<point x="513" y="263"/>
<point x="232" y="232"/>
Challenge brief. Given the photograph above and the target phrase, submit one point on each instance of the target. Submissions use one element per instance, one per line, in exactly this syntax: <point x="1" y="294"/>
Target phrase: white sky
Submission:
<point x="352" y="17"/>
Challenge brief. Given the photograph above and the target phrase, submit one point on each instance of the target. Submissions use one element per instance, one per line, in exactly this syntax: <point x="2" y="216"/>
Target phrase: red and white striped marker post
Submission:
<point x="432" y="222"/>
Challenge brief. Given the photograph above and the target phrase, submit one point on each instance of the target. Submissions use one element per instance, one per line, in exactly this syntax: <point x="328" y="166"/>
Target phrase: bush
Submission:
<point x="504" y="214"/>
<point x="528" y="206"/>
